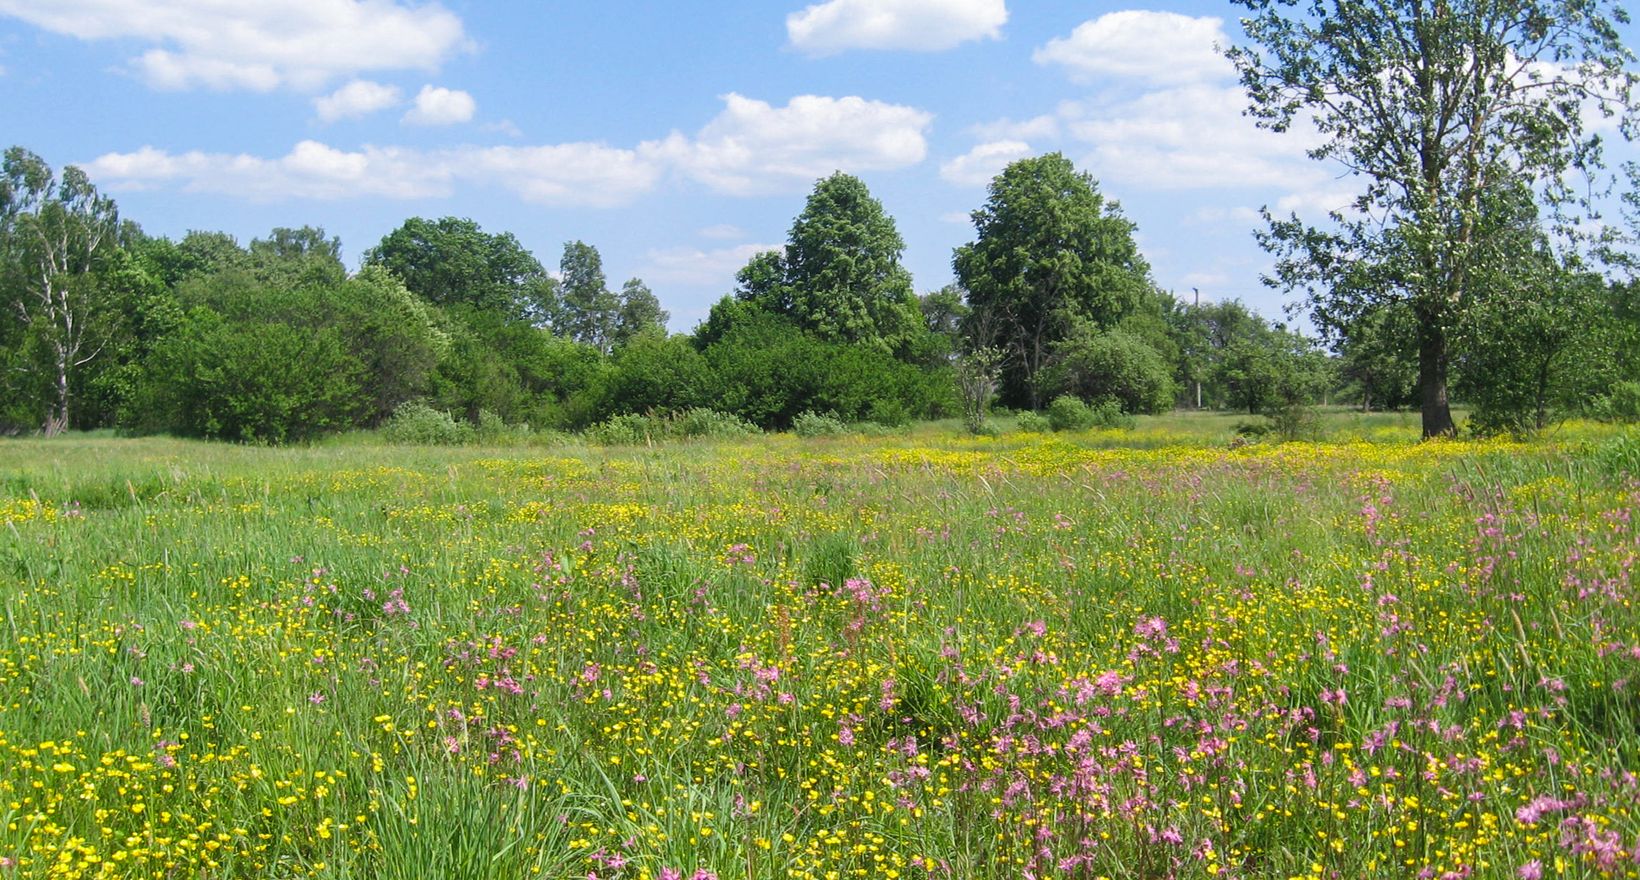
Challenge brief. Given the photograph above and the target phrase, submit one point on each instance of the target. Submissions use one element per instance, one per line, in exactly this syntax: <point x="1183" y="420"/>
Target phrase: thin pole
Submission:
<point x="1198" y="293"/>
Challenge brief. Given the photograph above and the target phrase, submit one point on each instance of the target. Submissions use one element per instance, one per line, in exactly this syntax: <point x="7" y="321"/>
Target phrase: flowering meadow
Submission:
<point x="916" y="656"/>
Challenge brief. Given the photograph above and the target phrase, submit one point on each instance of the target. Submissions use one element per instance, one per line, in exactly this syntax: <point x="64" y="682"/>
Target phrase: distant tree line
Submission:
<point x="276" y="341"/>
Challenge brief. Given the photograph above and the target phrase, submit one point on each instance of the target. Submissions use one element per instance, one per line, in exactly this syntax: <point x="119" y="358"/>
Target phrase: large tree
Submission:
<point x="453" y="262"/>
<point x="588" y="311"/>
<point x="1049" y="252"/>
<point x="840" y="276"/>
<point x="1461" y="118"/>
<point x="54" y="235"/>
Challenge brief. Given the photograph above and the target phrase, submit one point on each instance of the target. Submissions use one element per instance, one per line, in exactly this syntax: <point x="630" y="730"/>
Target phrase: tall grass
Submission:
<point x="1124" y="654"/>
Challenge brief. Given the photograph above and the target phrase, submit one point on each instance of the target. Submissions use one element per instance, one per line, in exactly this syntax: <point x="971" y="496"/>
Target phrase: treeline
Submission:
<point x="275" y="341"/>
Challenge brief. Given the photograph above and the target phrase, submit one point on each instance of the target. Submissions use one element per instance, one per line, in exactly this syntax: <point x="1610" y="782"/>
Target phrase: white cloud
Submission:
<point x="562" y="174"/>
<point x="721" y="231"/>
<point x="311" y="170"/>
<point x="960" y="218"/>
<point x="440" y="106"/>
<point x="750" y="148"/>
<point x="1191" y="137"/>
<point x="1045" y="126"/>
<point x="687" y="265"/>
<point x="570" y="174"/>
<point x="258" y="46"/>
<point x="753" y="148"/>
<point x="919" y="25"/>
<point x="1158" y="47"/>
<point x="977" y="166"/>
<point x="360" y="97"/>
<point x="504" y="126"/>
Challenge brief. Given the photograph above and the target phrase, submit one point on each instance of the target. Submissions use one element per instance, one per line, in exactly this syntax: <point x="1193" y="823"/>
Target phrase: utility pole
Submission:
<point x="1198" y="292"/>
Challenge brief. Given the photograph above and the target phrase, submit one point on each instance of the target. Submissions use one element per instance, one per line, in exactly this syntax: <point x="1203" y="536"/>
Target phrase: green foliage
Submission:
<point x="767" y="370"/>
<point x="818" y="424"/>
<point x="56" y="233"/>
<point x="416" y="423"/>
<point x="695" y="423"/>
<point x="1068" y="412"/>
<point x="840" y="277"/>
<point x="1115" y="364"/>
<point x="640" y="313"/>
<point x="1524" y="348"/>
<point x="588" y="311"/>
<point x="1457" y="143"/>
<point x="1049" y="251"/>
<point x="233" y="379"/>
<point x="654" y="372"/>
<point x="452" y="262"/>
<point x="1034" y="423"/>
<point x="1621" y="403"/>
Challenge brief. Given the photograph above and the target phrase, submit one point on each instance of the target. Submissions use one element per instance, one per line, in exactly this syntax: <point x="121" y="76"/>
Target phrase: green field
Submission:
<point x="1144" y="654"/>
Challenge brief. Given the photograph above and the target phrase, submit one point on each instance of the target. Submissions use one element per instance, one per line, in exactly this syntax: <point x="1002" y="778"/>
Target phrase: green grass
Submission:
<point x="1125" y="654"/>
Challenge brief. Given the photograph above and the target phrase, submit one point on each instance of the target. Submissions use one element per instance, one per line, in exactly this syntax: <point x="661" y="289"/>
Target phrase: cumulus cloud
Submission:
<point x="750" y="148"/>
<point x="918" y="25"/>
<point x="1157" y="47"/>
<point x="436" y="105"/>
<point x="753" y="148"/>
<point x="360" y="97"/>
<point x="257" y="46"/>
<point x="567" y="174"/>
<point x="977" y="166"/>
<point x="1190" y="137"/>
<point x="721" y="231"/>
<point x="1045" y="126"/>
<point x="694" y="266"/>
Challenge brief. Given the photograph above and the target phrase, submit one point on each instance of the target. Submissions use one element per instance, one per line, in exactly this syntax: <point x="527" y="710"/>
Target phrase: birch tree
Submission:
<point x="54" y="232"/>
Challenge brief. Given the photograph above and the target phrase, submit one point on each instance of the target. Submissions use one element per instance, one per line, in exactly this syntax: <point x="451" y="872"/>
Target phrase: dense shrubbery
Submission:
<point x="275" y="342"/>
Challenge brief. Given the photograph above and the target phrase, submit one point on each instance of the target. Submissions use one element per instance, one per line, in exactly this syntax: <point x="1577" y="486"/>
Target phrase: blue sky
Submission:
<point x="678" y="138"/>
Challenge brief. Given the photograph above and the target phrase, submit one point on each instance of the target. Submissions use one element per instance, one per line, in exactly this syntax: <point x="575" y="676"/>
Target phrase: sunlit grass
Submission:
<point x="1125" y="654"/>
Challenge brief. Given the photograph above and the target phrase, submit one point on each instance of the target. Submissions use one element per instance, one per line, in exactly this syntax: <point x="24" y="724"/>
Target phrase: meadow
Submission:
<point x="1143" y="654"/>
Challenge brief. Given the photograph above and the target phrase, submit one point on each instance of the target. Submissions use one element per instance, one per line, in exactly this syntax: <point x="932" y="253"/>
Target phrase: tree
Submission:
<point x="1517" y="352"/>
<point x="1049" y="250"/>
<point x="1461" y="117"/>
<point x="54" y="235"/>
<point x="1113" y="364"/>
<point x="453" y="262"/>
<point x="640" y="312"/>
<point x="588" y="311"/>
<point x="298" y="257"/>
<point x="840" y="276"/>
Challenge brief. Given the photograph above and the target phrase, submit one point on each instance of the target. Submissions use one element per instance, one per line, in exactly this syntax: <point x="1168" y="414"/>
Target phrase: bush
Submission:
<point x="1034" y="423"/>
<point x="1115" y="364"/>
<point x="1070" y="413"/>
<point x="628" y="429"/>
<point x="812" y="424"/>
<point x="1621" y="403"/>
<point x="702" y="422"/>
<point x="416" y="423"/>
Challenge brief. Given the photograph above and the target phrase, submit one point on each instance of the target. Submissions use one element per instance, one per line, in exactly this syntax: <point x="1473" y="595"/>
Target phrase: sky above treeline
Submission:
<point x="678" y="138"/>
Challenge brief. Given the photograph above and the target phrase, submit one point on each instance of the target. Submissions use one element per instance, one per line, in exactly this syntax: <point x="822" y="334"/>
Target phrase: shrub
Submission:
<point x="812" y="424"/>
<point x="628" y="429"/>
<point x="418" y="424"/>
<point x="1069" y="413"/>
<point x="1115" y="364"/>
<point x="1034" y="423"/>
<point x="702" y="422"/>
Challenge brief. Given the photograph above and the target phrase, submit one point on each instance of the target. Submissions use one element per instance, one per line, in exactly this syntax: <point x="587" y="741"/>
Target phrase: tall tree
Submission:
<point x="453" y="262"/>
<point x="843" y="269"/>
<point x="640" y="312"/>
<point x="1459" y="116"/>
<point x="587" y="309"/>
<point x="54" y="233"/>
<point x="1049" y="251"/>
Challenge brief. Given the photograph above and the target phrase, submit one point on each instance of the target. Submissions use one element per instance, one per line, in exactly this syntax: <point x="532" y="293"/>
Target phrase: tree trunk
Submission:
<point x="1437" y="415"/>
<point x="57" y="417"/>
